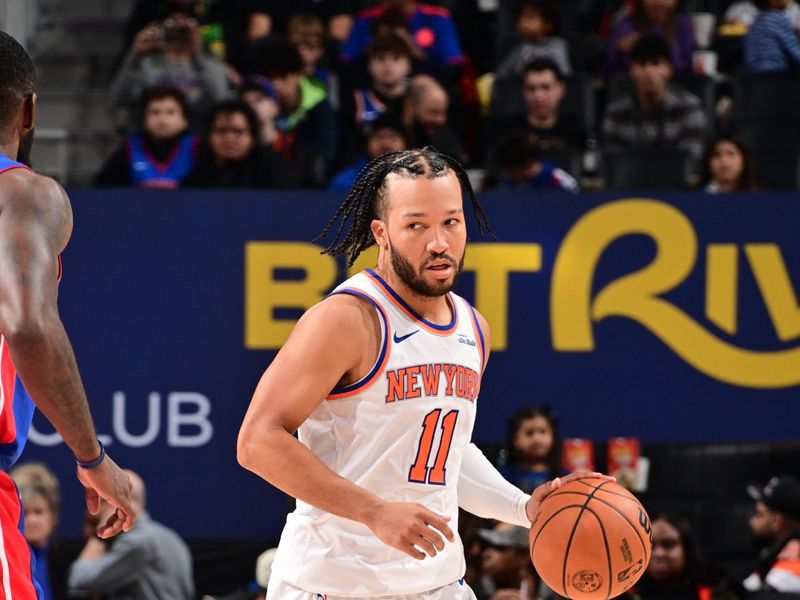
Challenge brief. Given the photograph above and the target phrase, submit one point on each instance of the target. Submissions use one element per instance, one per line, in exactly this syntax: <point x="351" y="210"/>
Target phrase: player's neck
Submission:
<point x="9" y="149"/>
<point x="435" y="309"/>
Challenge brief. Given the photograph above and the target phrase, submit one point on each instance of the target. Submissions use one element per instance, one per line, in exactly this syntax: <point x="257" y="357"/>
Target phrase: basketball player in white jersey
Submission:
<point x="380" y="380"/>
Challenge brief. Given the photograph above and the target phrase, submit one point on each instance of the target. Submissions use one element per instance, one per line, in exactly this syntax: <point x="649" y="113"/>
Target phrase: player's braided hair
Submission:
<point x="366" y="200"/>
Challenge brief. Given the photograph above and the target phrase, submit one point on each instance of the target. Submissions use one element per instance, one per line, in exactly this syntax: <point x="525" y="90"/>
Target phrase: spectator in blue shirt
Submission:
<point x="432" y="31"/>
<point x="771" y="43"/>
<point x="385" y="134"/>
<point x="521" y="168"/>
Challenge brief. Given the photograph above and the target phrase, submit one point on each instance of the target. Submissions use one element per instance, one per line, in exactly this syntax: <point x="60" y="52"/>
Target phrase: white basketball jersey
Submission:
<point x="399" y="432"/>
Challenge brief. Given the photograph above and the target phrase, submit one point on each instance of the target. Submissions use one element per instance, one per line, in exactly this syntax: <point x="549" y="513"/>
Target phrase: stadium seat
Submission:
<point x="767" y="94"/>
<point x="645" y="170"/>
<point x="767" y="132"/>
<point x="777" y="169"/>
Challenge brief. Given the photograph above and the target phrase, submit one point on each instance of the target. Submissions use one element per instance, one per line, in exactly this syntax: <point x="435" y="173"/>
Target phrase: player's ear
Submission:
<point x="378" y="228"/>
<point x="29" y="112"/>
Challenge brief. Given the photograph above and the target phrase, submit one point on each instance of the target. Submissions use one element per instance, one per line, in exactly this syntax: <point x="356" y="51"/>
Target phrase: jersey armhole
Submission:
<point x="383" y="355"/>
<point x="478" y="334"/>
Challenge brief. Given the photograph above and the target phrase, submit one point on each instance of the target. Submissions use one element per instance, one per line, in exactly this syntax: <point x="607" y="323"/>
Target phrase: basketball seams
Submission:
<point x="608" y="550"/>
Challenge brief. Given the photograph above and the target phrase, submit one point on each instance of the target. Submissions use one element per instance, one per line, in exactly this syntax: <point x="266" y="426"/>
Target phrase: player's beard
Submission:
<point x="414" y="279"/>
<point x="24" y="150"/>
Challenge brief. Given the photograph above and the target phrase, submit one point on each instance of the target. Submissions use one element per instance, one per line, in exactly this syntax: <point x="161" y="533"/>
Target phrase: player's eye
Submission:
<point x="414" y="226"/>
<point x="452" y="222"/>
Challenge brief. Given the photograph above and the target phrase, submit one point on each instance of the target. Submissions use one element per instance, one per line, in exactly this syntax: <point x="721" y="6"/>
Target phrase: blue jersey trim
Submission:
<point x="480" y="331"/>
<point x="384" y="346"/>
<point x="414" y="313"/>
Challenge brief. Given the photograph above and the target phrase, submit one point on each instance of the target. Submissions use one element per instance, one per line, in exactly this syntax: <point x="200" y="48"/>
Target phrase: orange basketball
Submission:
<point x="590" y="540"/>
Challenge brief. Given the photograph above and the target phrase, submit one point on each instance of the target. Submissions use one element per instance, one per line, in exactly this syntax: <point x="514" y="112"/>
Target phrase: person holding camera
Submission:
<point x="170" y="52"/>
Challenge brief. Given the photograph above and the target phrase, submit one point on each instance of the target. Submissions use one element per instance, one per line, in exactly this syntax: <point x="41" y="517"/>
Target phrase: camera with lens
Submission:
<point x="170" y="33"/>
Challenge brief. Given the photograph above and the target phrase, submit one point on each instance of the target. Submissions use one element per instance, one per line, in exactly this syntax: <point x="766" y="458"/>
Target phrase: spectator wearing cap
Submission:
<point x="262" y="97"/>
<point x="522" y="169"/>
<point x="776" y="523"/>
<point x="657" y="116"/>
<point x="384" y="134"/>
<point x="505" y="563"/>
<point x="307" y="137"/>
<point x="163" y="153"/>
<point x="771" y="43"/>
<point x="170" y="52"/>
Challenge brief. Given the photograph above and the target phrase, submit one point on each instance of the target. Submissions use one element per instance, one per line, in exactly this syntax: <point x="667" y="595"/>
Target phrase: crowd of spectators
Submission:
<point x="528" y="94"/>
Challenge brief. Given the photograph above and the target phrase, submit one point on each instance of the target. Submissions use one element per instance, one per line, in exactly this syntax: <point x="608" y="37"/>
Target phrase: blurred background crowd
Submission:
<point x="570" y="95"/>
<point x="528" y="94"/>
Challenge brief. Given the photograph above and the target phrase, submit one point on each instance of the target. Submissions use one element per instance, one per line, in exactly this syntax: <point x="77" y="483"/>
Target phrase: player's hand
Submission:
<point x="411" y="528"/>
<point x="108" y="482"/>
<point x="548" y="487"/>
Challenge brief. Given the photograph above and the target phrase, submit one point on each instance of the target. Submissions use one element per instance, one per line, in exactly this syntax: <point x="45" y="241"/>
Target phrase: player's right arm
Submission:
<point x="330" y="345"/>
<point x="35" y="224"/>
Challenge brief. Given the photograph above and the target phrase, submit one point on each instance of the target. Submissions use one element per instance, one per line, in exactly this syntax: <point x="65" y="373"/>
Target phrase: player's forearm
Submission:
<point x="43" y="357"/>
<point x="484" y="492"/>
<point x="280" y="459"/>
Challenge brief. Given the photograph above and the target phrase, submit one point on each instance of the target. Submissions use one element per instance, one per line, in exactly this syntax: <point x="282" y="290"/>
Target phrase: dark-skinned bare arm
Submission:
<point x="35" y="224"/>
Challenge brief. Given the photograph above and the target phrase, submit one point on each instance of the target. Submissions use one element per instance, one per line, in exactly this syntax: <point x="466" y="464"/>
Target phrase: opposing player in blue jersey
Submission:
<point x="37" y="365"/>
<point x="381" y="381"/>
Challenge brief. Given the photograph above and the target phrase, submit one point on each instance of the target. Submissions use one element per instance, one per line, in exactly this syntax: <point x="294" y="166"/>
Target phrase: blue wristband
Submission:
<point x="93" y="463"/>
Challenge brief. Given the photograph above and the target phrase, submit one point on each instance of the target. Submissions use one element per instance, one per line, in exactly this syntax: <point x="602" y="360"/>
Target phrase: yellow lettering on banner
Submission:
<point x="722" y="270"/>
<point x="776" y="288"/>
<point x="263" y="293"/>
<point x="366" y="260"/>
<point x="492" y="264"/>
<point x="637" y="295"/>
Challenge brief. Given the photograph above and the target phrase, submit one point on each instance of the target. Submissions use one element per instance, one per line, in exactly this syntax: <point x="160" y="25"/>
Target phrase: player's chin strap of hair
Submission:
<point x="93" y="463"/>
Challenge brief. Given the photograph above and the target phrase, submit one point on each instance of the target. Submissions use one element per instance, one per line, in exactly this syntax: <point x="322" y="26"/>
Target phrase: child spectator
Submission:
<point x="163" y="154"/>
<point x="536" y="22"/>
<point x="384" y="134"/>
<point x="533" y="449"/>
<point x="389" y="67"/>
<point x="657" y="116"/>
<point x="771" y="43"/>
<point x="262" y="97"/>
<point x="521" y="168"/>
<point x="728" y="167"/>
<point x="306" y="32"/>
<point x="231" y="155"/>
<point x="170" y="53"/>
<point x="652" y="17"/>
<point x="307" y="136"/>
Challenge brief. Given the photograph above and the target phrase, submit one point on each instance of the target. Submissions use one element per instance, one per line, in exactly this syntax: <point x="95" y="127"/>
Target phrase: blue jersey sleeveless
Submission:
<point x="16" y="406"/>
<point x="368" y="106"/>
<point x="147" y="171"/>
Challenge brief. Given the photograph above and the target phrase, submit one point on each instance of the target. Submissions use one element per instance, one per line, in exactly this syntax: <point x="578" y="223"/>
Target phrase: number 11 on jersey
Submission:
<point x="435" y="475"/>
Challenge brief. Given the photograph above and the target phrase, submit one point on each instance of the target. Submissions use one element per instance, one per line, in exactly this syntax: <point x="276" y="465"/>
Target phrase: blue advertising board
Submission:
<point x="670" y="317"/>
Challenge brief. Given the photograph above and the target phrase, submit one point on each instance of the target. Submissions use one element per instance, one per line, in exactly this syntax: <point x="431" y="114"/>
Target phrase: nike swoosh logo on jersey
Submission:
<point x="398" y="339"/>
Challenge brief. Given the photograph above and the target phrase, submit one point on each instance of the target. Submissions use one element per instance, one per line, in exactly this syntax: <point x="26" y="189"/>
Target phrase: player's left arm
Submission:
<point x="484" y="492"/>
